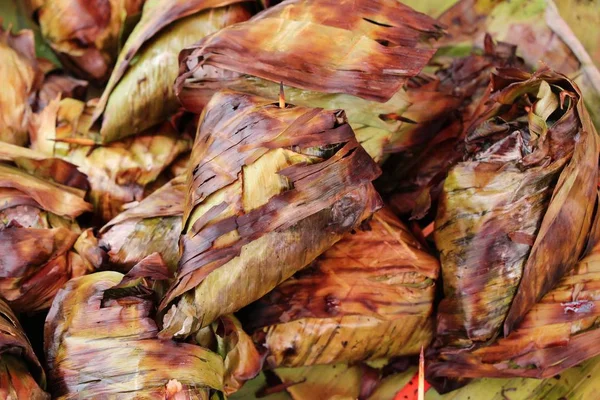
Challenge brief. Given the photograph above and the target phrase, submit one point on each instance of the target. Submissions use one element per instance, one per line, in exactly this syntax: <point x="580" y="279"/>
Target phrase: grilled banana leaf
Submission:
<point x="21" y="374"/>
<point x="368" y="297"/>
<point x="242" y="360"/>
<point x="140" y="93"/>
<point x="515" y="215"/>
<point x="85" y="34"/>
<point x="119" y="172"/>
<point x="351" y="55"/>
<point x="538" y="29"/>
<point x="100" y="342"/>
<point x="413" y="176"/>
<point x="269" y="189"/>
<point x="153" y="225"/>
<point x="41" y="244"/>
<point x="559" y="332"/>
<point x="22" y="78"/>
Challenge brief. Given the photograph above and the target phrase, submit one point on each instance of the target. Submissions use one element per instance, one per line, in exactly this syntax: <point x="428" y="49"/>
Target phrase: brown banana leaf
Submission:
<point x="40" y="240"/>
<point x="140" y="93"/>
<point x="21" y="374"/>
<point x="100" y="342"/>
<point x="559" y="332"/>
<point x="413" y="175"/>
<point x="153" y="225"/>
<point x="85" y="34"/>
<point x="22" y="78"/>
<point x="541" y="34"/>
<point x="351" y="55"/>
<point x="241" y="359"/>
<point x="368" y="297"/>
<point x="119" y="172"/>
<point x="269" y="189"/>
<point x="515" y="215"/>
<point x="58" y="83"/>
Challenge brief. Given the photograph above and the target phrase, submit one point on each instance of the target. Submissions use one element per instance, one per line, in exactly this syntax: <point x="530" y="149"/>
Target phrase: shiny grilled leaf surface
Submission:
<point x="269" y="189"/>
<point x="100" y="341"/>
<point x="559" y="332"/>
<point x="362" y="48"/>
<point x="118" y="172"/>
<point x="140" y="93"/>
<point x="21" y="374"/>
<point x="514" y="216"/>
<point x="85" y="34"/>
<point x="368" y="297"/>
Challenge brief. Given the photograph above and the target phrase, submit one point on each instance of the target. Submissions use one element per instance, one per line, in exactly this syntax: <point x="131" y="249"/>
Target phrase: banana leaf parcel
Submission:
<point x="559" y="332"/>
<point x="41" y="244"/>
<point x="140" y="93"/>
<point x="85" y="34"/>
<point x="270" y="187"/>
<point x="22" y="78"/>
<point x="119" y="172"/>
<point x="368" y="297"/>
<point x="151" y="226"/>
<point x="21" y="374"/>
<point x="514" y="216"/>
<point x="413" y="177"/>
<point x="351" y="55"/>
<point x="100" y="342"/>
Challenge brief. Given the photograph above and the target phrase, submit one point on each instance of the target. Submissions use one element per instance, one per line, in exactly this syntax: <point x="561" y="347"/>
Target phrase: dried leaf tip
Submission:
<point x="281" y="96"/>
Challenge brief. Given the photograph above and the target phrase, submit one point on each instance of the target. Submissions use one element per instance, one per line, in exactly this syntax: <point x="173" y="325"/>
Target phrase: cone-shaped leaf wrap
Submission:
<point x="370" y="296"/>
<point x="85" y="33"/>
<point x="515" y="214"/>
<point x="100" y="341"/>
<point x="269" y="189"/>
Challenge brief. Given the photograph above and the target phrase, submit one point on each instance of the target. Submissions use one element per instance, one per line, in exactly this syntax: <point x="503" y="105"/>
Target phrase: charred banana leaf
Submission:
<point x="538" y="29"/>
<point x="140" y="93"/>
<point x="514" y="216"/>
<point x="270" y="188"/>
<point x="100" y="342"/>
<point x="21" y="375"/>
<point x="368" y="297"/>
<point x="40" y="240"/>
<point x="413" y="175"/>
<point x="22" y="77"/>
<point x="153" y="225"/>
<point x="85" y="34"/>
<point x="119" y="172"/>
<point x="560" y="331"/>
<point x="351" y="55"/>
